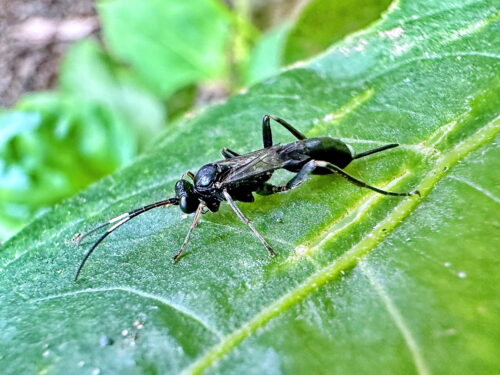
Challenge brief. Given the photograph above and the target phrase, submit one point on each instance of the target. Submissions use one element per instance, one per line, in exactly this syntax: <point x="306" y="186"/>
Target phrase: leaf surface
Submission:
<point x="363" y="283"/>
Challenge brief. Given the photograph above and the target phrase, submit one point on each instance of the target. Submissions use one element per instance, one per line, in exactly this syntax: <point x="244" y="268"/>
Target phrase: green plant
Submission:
<point x="363" y="283"/>
<point x="54" y="144"/>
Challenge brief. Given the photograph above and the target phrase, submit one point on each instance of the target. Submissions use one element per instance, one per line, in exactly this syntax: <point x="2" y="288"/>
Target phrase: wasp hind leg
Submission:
<point x="267" y="136"/>
<point x="228" y="153"/>
<point x="309" y="168"/>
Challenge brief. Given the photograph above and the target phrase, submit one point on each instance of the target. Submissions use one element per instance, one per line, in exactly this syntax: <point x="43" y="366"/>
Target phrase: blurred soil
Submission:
<point x="33" y="36"/>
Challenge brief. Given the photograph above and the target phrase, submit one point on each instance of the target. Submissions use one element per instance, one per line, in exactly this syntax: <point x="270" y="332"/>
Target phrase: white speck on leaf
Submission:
<point x="450" y="332"/>
<point x="138" y="324"/>
<point x="393" y="33"/>
<point x="361" y="45"/>
<point x="301" y="250"/>
<point x="328" y="117"/>
<point x="344" y="51"/>
<point x="402" y="48"/>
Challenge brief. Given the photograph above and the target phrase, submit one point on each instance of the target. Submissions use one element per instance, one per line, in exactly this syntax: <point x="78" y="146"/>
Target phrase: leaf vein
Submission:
<point x="478" y="188"/>
<point x="430" y="58"/>
<point x="394" y="313"/>
<point x="137" y="292"/>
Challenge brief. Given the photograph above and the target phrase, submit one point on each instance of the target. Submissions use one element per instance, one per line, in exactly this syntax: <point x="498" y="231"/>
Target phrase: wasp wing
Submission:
<point x="253" y="165"/>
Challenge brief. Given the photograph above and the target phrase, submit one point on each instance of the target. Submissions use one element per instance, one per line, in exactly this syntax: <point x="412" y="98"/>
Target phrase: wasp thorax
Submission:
<point x="206" y="176"/>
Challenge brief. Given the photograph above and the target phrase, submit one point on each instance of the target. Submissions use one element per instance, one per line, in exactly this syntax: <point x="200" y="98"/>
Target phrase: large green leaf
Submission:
<point x="363" y="283"/>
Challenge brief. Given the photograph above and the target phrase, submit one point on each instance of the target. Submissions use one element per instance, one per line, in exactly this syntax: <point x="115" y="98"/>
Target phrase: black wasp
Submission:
<point x="237" y="177"/>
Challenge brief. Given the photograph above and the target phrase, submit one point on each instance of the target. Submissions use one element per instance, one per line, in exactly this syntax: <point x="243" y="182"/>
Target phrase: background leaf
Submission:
<point x="90" y="76"/>
<point x="167" y="53"/>
<point x="323" y="22"/>
<point x="54" y="144"/>
<point x="266" y="57"/>
<point x="363" y="283"/>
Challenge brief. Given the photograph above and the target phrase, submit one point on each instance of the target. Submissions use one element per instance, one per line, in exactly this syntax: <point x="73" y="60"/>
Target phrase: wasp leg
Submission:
<point x="188" y="174"/>
<point x="195" y="222"/>
<point x="268" y="189"/>
<point x="299" y="178"/>
<point x="267" y="135"/>
<point x="242" y="217"/>
<point x="310" y="166"/>
<point x="360" y="183"/>
<point x="228" y="154"/>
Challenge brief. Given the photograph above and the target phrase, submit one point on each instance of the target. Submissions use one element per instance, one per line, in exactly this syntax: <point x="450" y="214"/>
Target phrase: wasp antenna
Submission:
<point x="99" y="240"/>
<point x="117" y="222"/>
<point x="78" y="237"/>
<point x="379" y="149"/>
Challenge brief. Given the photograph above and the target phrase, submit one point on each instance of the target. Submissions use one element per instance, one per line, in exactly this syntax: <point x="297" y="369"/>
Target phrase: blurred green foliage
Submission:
<point x="170" y="44"/>
<point x="329" y="22"/>
<point x="54" y="144"/>
<point x="115" y="96"/>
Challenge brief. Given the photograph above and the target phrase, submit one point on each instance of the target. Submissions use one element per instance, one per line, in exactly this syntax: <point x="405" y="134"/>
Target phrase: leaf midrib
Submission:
<point x="352" y="256"/>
